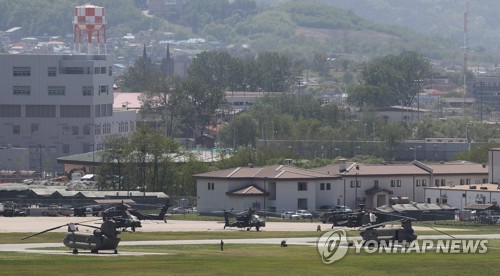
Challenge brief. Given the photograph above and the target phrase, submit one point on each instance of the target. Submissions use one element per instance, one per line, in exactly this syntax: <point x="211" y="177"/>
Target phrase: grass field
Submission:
<point x="238" y="259"/>
<point x="250" y="260"/>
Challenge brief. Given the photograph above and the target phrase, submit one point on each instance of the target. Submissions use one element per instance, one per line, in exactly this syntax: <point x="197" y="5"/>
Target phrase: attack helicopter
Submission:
<point x="160" y="216"/>
<point x="127" y="217"/>
<point x="102" y="238"/>
<point x="122" y="217"/>
<point x="246" y="219"/>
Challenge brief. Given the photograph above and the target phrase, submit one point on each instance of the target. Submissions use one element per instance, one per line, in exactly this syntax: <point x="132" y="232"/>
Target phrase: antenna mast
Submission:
<point x="465" y="54"/>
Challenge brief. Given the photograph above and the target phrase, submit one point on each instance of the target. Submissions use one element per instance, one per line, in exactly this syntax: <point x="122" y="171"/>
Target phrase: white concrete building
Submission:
<point x="58" y="105"/>
<point x="494" y="165"/>
<point x="462" y="196"/>
<point x="274" y="188"/>
<point x="280" y="188"/>
<point x="461" y="192"/>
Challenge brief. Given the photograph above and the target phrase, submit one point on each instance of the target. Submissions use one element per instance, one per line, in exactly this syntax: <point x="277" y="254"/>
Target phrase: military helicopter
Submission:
<point x="122" y="217"/>
<point x="377" y="232"/>
<point x="102" y="238"/>
<point x="160" y="216"/>
<point x="246" y="219"/>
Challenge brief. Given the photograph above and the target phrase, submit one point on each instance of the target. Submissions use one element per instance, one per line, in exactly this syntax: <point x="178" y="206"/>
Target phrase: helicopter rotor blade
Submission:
<point x="44" y="231"/>
<point x="86" y="225"/>
<point x="442" y="232"/>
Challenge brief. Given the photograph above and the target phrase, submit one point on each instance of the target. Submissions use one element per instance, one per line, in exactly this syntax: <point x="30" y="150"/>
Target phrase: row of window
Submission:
<point x="325" y="186"/>
<point x="52" y="71"/>
<point x="45" y="111"/>
<point x="104" y="129"/>
<point x="302" y="186"/>
<point x="66" y="130"/>
<point x="72" y="130"/>
<point x="24" y="90"/>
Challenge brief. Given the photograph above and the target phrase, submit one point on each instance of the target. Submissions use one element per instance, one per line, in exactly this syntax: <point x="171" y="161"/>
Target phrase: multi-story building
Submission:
<point x="57" y="105"/>
<point x="486" y="92"/>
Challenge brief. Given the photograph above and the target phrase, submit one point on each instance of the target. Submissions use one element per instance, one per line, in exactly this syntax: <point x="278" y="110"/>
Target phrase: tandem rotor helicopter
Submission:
<point x="104" y="237"/>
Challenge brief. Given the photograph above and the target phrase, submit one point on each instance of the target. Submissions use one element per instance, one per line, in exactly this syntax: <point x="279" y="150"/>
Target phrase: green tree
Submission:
<point x="476" y="155"/>
<point x="114" y="162"/>
<point x="141" y="75"/>
<point x="392" y="80"/>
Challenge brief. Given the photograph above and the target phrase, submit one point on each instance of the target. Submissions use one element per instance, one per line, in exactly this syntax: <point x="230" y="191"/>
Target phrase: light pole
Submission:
<point x="356" y="187"/>
<point x="467" y="134"/>
<point x="93" y="159"/>
<point x="415" y="151"/>
<point x="40" y="159"/>
<point x="481" y="100"/>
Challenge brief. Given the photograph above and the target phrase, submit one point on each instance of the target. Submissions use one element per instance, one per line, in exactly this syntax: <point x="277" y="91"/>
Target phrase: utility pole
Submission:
<point x="465" y="54"/>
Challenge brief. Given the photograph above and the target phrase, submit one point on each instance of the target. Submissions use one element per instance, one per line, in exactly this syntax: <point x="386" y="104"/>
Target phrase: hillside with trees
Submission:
<point x="301" y="28"/>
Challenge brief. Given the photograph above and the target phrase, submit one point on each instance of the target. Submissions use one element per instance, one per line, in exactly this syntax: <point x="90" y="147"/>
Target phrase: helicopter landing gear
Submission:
<point x="133" y="229"/>
<point x="95" y="251"/>
<point x="257" y="228"/>
<point x="248" y="229"/>
<point x="116" y="251"/>
<point x="75" y="251"/>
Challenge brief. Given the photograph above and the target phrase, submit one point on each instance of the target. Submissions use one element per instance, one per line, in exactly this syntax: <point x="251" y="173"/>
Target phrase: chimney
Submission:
<point x="342" y="165"/>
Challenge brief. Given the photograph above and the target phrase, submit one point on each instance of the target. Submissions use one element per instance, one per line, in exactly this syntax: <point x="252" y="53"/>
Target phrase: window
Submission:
<point x="328" y="186"/>
<point x="211" y="186"/>
<point x="73" y="70"/>
<point x="465" y="181"/>
<point x="21" y="90"/>
<point x="10" y="111"/>
<point x="34" y="129"/>
<point x="74" y="130"/>
<point x="110" y="71"/>
<point x="103" y="89"/>
<point x="375" y="183"/>
<point x="16" y="130"/>
<point x="75" y="111"/>
<point x="86" y="130"/>
<point x="352" y="184"/>
<point x="66" y="130"/>
<point x="436" y="182"/>
<point x="393" y="183"/>
<point x="322" y="186"/>
<point x="417" y="183"/>
<point x="443" y="182"/>
<point x="52" y="71"/>
<point x="66" y="149"/>
<point x="97" y="129"/>
<point x="21" y="71"/>
<point x="358" y="183"/>
<point x="57" y="90"/>
<point x="424" y="182"/>
<point x="398" y="183"/>
<point x="40" y="111"/>
<point x="302" y="186"/>
<point x="87" y="90"/>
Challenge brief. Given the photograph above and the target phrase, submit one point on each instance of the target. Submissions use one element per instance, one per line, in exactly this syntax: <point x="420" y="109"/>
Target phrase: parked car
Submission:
<point x="304" y="214"/>
<point x="184" y="210"/>
<point x="290" y="215"/>
<point x="342" y="209"/>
